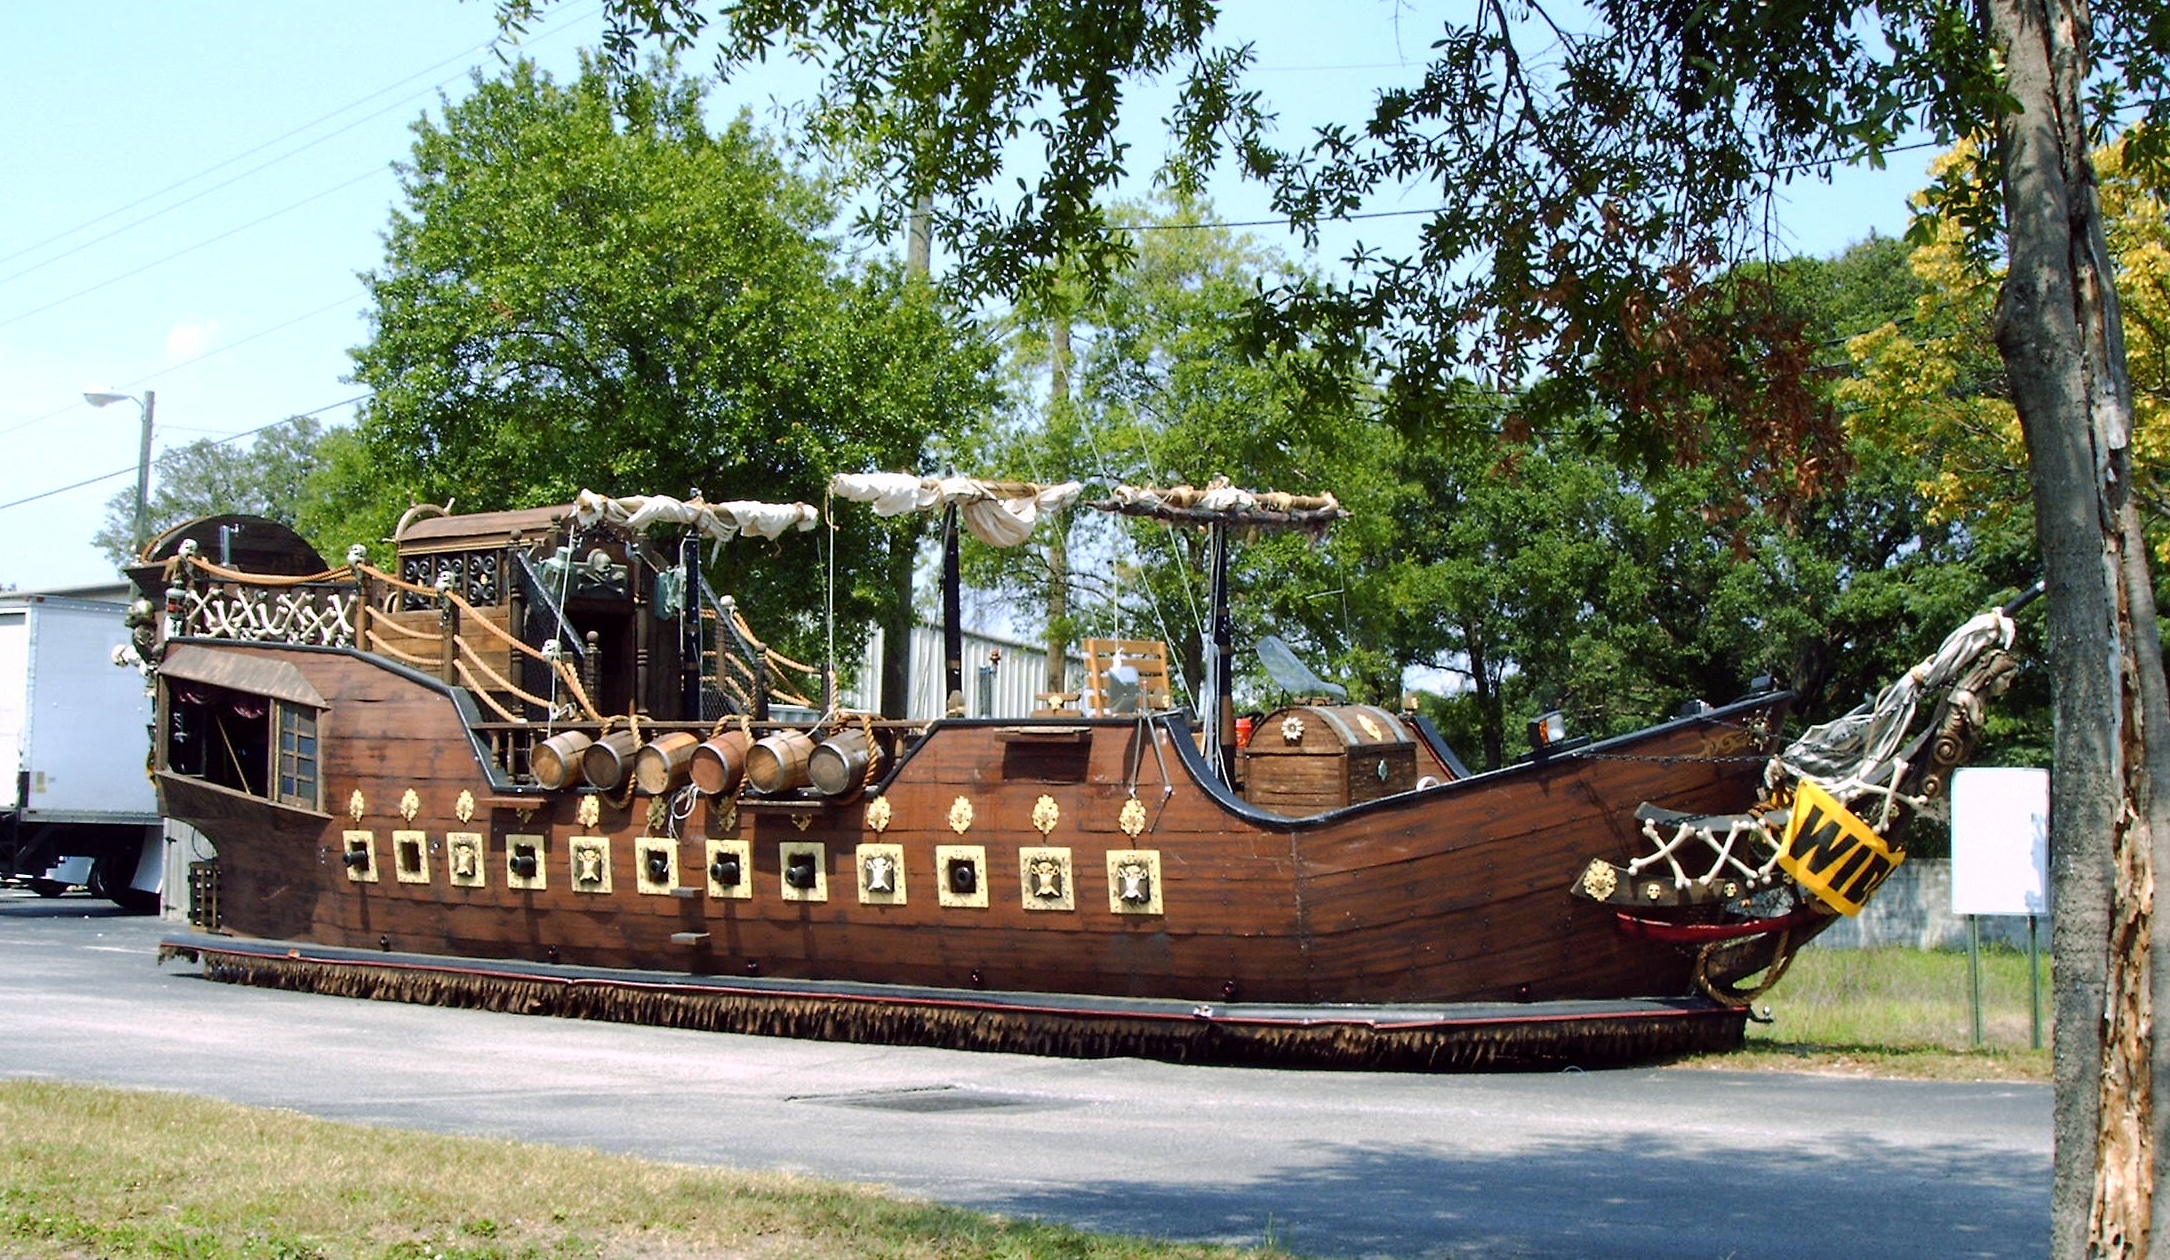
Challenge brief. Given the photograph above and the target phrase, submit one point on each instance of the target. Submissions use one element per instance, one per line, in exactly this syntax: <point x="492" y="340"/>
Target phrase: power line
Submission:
<point x="244" y="154"/>
<point x="169" y="208"/>
<point x="122" y="472"/>
<point x="215" y="351"/>
<point x="189" y="249"/>
<point x="465" y="54"/>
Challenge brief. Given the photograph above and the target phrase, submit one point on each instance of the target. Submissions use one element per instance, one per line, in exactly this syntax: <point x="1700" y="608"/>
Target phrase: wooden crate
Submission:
<point x="1308" y="759"/>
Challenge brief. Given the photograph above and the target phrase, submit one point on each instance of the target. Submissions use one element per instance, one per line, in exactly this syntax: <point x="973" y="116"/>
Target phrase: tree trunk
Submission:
<point x="2059" y="332"/>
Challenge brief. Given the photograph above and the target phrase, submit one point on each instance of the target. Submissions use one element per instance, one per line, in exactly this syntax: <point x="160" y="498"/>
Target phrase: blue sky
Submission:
<point x="190" y="190"/>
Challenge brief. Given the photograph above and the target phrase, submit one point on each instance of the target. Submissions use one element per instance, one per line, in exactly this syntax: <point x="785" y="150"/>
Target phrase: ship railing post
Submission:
<point x="448" y="630"/>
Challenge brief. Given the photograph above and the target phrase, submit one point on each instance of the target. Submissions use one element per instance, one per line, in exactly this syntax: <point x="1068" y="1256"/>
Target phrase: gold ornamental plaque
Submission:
<point x="881" y="874"/>
<point x="1134" y="881"/>
<point x="590" y="859"/>
<point x="464" y="854"/>
<point x="1047" y="880"/>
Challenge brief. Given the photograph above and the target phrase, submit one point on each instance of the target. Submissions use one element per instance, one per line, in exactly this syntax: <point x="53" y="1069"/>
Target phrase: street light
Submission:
<point x="149" y="403"/>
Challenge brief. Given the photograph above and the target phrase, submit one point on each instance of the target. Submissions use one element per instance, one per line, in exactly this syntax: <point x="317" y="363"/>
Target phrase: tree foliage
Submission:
<point x="588" y="287"/>
<point x="272" y="476"/>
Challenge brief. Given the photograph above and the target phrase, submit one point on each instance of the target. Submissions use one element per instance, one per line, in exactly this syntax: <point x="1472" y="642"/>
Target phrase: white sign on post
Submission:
<point x="2000" y="841"/>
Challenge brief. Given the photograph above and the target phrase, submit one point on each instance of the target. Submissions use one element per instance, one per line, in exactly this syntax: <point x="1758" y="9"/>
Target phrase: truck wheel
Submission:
<point x="48" y="887"/>
<point x="101" y="883"/>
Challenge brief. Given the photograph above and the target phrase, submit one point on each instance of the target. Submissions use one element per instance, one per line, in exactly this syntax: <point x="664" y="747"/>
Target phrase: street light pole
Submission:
<point x="149" y="405"/>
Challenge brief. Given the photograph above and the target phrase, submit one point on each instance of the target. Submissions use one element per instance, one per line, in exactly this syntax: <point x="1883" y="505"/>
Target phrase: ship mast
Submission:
<point x="1218" y="506"/>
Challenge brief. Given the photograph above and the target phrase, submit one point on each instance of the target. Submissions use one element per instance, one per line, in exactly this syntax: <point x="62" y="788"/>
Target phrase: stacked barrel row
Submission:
<point x="779" y="764"/>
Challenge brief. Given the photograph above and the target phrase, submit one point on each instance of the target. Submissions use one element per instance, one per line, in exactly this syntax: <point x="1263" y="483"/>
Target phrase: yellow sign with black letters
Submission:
<point x="1832" y="853"/>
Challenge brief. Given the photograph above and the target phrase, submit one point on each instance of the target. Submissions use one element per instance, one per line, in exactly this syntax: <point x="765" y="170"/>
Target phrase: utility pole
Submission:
<point x="149" y="405"/>
<point x="143" y="473"/>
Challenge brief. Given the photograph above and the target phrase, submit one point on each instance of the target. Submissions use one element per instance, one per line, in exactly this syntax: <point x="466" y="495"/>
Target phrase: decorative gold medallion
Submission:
<point x="877" y="815"/>
<point x="802" y="821"/>
<point x="589" y="812"/>
<point x="591" y="863"/>
<point x="524" y="863"/>
<point x="725" y="819"/>
<point x="1599" y="880"/>
<point x="805" y="868"/>
<point x="410" y="856"/>
<point x="464" y="808"/>
<point x="356" y="806"/>
<point x="464" y="853"/>
<point x="730" y="869"/>
<point x="659" y="814"/>
<point x="1045" y="813"/>
<point x="655" y="865"/>
<point x="881" y="874"/>
<point x="960" y="875"/>
<point x="1046" y="876"/>
<point x="1132" y="819"/>
<point x="358" y="850"/>
<point x="1134" y="881"/>
<point x="410" y="804"/>
<point x="960" y="815"/>
<point x="1371" y="728"/>
<point x="1292" y="729"/>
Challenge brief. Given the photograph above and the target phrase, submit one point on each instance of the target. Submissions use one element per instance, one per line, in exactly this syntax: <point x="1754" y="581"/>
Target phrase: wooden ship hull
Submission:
<point x="1059" y="883"/>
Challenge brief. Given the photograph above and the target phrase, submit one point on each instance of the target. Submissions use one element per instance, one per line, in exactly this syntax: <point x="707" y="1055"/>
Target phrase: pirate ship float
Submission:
<point x="540" y="766"/>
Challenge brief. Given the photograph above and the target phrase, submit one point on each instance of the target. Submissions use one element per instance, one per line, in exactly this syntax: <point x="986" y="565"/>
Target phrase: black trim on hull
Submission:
<point x="1438" y="1037"/>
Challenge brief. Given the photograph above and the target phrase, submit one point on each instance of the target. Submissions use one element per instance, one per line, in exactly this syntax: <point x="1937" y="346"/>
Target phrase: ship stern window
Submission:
<point x="297" y="783"/>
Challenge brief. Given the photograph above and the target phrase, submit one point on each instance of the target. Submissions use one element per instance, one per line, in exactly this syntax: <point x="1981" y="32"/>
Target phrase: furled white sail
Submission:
<point x="719" y="521"/>
<point x="998" y="513"/>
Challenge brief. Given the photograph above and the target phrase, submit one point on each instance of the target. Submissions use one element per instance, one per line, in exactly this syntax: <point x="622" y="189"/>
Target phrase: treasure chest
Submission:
<point x="1311" y="758"/>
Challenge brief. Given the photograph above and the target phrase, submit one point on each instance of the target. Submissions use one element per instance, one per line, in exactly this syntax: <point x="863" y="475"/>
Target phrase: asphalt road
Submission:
<point x="1641" y="1163"/>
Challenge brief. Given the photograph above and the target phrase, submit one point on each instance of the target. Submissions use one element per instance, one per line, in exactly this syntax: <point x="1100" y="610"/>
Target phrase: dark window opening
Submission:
<point x="245" y="742"/>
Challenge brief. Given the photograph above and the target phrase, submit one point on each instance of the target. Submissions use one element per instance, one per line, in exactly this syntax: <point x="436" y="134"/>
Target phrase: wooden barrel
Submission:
<point x="777" y="763"/>
<point x="664" y="764"/>
<point x="607" y="759"/>
<point x="556" y="760"/>
<point x="839" y="766"/>
<point x="720" y="763"/>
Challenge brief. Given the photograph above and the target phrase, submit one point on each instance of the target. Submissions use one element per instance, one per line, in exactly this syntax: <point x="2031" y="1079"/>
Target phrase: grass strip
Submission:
<point x="90" y="1171"/>
<point x="1897" y="1012"/>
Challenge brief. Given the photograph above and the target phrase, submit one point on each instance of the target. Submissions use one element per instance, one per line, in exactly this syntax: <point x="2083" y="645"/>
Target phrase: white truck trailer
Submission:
<point x="76" y="805"/>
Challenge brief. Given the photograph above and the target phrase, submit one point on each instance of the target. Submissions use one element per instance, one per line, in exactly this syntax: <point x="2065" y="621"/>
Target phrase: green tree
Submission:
<point x="587" y="287"/>
<point x="1162" y="391"/>
<point x="269" y="477"/>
